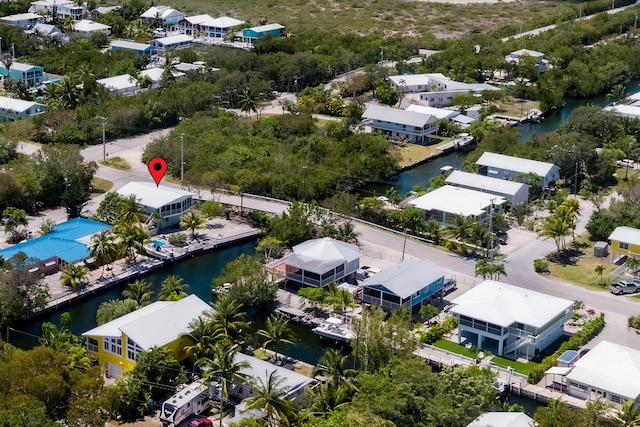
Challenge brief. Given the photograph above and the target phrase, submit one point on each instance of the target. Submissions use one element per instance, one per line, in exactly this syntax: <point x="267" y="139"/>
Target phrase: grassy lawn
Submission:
<point x="515" y="108"/>
<point x="457" y="348"/>
<point x="116" y="163"/>
<point x="100" y="186"/>
<point x="411" y="153"/>
<point x="520" y="367"/>
<point x="581" y="266"/>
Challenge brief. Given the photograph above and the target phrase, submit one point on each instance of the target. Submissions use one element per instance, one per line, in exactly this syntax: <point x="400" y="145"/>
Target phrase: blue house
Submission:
<point x="13" y="109"/>
<point x="409" y="285"/>
<point x="67" y="243"/>
<point x="250" y="35"/>
<point x="32" y="75"/>
<point x="137" y="48"/>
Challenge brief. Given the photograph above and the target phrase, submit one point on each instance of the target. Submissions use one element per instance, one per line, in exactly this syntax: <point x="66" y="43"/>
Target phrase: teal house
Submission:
<point x="250" y="35"/>
<point x="32" y="75"/>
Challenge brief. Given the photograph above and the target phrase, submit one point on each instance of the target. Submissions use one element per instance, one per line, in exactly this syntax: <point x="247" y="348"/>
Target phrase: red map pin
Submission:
<point x="157" y="169"/>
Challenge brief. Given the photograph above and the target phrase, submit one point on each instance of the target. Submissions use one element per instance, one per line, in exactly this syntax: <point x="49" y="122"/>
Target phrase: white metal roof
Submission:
<point x="156" y="324"/>
<point x="180" y="38"/>
<point x="457" y="200"/>
<point x="224" y="22"/>
<point x="260" y="370"/>
<point x="407" y="278"/>
<point x="626" y="235"/>
<point x="198" y="19"/>
<point x="267" y="27"/>
<point x="20" y="66"/>
<point x="610" y="367"/>
<point x="485" y="183"/>
<point x="503" y="304"/>
<point x="21" y="17"/>
<point x="624" y="109"/>
<point x="415" y="79"/>
<point x="161" y="12"/>
<point x="558" y="370"/>
<point x="120" y="82"/>
<point x="327" y="248"/>
<point x="88" y="25"/>
<point x="503" y="419"/>
<point x="155" y="73"/>
<point x="439" y="113"/>
<point x="395" y="115"/>
<point x="126" y="44"/>
<point x="528" y="52"/>
<point x="148" y="194"/>
<point x="17" y="105"/>
<point x="515" y="164"/>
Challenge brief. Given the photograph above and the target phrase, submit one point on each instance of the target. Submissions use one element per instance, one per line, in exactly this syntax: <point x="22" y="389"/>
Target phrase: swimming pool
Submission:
<point x="157" y="243"/>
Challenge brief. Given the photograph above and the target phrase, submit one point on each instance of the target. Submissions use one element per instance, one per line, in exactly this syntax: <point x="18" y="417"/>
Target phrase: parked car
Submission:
<point x="159" y="33"/>
<point x="450" y="285"/>
<point x="201" y="422"/>
<point x="625" y="287"/>
<point x="625" y="163"/>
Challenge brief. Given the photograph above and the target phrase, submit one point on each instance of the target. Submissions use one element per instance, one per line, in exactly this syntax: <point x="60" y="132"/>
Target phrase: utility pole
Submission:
<point x="575" y="182"/>
<point x="181" y="156"/>
<point x="104" y="139"/>
<point x="613" y="4"/>
<point x="580" y="14"/>
<point x="490" y="242"/>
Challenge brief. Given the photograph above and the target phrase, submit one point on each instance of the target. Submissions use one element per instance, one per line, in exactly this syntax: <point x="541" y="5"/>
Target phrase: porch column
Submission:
<point x="500" y="346"/>
<point x="480" y="340"/>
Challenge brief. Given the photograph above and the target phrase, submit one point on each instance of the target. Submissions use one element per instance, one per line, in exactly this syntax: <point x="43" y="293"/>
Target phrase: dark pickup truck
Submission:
<point x="625" y="287"/>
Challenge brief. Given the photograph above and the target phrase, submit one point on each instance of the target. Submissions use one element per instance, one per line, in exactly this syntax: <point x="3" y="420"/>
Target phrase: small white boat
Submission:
<point x="444" y="169"/>
<point x="335" y="329"/>
<point x="462" y="140"/>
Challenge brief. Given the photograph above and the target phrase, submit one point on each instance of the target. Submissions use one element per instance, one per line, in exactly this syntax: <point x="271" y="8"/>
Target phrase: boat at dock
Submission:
<point x="462" y="140"/>
<point x="534" y="116"/>
<point x="335" y="329"/>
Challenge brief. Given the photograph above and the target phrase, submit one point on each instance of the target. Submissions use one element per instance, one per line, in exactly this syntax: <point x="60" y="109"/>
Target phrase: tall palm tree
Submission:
<point x="556" y="228"/>
<point x="340" y="299"/>
<point x="433" y="229"/>
<point x="227" y="317"/>
<point x="133" y="237"/>
<point x="202" y="338"/>
<point x="248" y="101"/>
<point x="333" y="364"/>
<point x="129" y="212"/>
<point x="192" y="221"/>
<point x="224" y="367"/>
<point x="276" y="332"/>
<point x="460" y="230"/>
<point x="104" y="248"/>
<point x="478" y="235"/>
<point x="628" y="415"/>
<point x="112" y="309"/>
<point x="271" y="397"/>
<point x="172" y="289"/>
<point x="139" y="291"/>
<point x="74" y="276"/>
<point x="346" y="232"/>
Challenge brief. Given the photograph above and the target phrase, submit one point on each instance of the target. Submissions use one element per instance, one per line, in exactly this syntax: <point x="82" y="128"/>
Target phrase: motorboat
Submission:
<point x="462" y="140"/>
<point x="336" y="329"/>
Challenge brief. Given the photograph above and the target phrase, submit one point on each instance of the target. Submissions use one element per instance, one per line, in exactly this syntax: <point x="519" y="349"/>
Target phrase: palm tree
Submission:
<point x="628" y="415"/>
<point x="617" y="93"/>
<point x="600" y="271"/>
<point x="202" y="338"/>
<point x="433" y="229"/>
<point x="103" y="248"/>
<point x="74" y="276"/>
<point x="632" y="264"/>
<point x="346" y="232"/>
<point x="227" y="317"/>
<point x="276" y="332"/>
<point x="133" y="237"/>
<point x="557" y="229"/>
<point x="139" y="291"/>
<point x="460" y="230"/>
<point x="340" y="299"/>
<point x="248" y="101"/>
<point x="333" y="365"/>
<point x="192" y="221"/>
<point x="483" y="268"/>
<point x="223" y="367"/>
<point x="272" y="399"/>
<point x="172" y="289"/>
<point x="112" y="309"/>
<point x="77" y="357"/>
<point x="479" y="234"/>
<point x="129" y="212"/>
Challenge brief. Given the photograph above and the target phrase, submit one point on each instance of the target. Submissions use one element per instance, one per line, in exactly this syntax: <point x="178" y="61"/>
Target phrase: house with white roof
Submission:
<point x="401" y="124"/>
<point x="250" y="35"/>
<point x="162" y="16"/>
<point x="509" y="321"/>
<point x="624" y="241"/>
<point x="206" y="26"/>
<point x="445" y="203"/>
<point x="48" y="30"/>
<point x="169" y="202"/>
<point x="608" y="372"/>
<point x="318" y="262"/>
<point x="441" y="113"/>
<point x="124" y="84"/>
<point x="26" y="21"/>
<point x="436" y="89"/>
<point x="514" y="192"/>
<point x="538" y="57"/>
<point x="99" y="11"/>
<point x="13" y="109"/>
<point x="409" y="285"/>
<point x="166" y="44"/>
<point x="116" y="344"/>
<point x="505" y="167"/>
<point x="137" y="48"/>
<point x="155" y="75"/>
<point x="503" y="419"/>
<point x="62" y="9"/>
<point x="85" y="28"/>
<point x="31" y="75"/>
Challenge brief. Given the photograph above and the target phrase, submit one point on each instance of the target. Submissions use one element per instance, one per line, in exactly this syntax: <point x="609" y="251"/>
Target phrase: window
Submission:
<point x="624" y="246"/>
<point x="578" y="386"/>
<point x="616" y="399"/>
<point x="92" y="345"/>
<point x="133" y="350"/>
<point x="113" y="345"/>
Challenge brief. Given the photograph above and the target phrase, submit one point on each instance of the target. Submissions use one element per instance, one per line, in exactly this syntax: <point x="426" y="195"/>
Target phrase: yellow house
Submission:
<point x="624" y="241"/>
<point x="116" y="344"/>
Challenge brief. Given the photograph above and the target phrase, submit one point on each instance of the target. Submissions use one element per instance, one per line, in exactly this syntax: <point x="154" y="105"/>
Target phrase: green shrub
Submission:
<point x="541" y="265"/>
<point x="177" y="239"/>
<point x="438" y="331"/>
<point x="634" y="322"/>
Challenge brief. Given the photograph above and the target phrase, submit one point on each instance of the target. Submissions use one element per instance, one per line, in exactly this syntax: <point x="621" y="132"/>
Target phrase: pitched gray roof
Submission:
<point x="394" y="115"/>
<point x="406" y="278"/>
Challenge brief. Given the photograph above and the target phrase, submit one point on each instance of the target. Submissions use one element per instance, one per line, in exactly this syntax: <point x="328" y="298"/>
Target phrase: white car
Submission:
<point x="625" y="163"/>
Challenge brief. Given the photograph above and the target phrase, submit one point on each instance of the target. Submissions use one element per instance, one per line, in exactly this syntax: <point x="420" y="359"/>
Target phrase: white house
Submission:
<point x="436" y="89"/>
<point x="99" y="11"/>
<point x="58" y="9"/>
<point x="166" y="44"/>
<point x="441" y="113"/>
<point x="409" y="285"/>
<point x="609" y="371"/>
<point x="206" y="26"/>
<point x="509" y="321"/>
<point x="124" y="84"/>
<point x="503" y="419"/>
<point x="170" y="202"/>
<point x="12" y="108"/>
<point x="401" y="124"/>
<point x="155" y="74"/>
<point x="318" y="262"/>
<point x="505" y="167"/>
<point x="26" y="21"/>
<point x="514" y="192"/>
<point x="162" y="16"/>
<point x="445" y="203"/>
<point x="48" y="30"/>
<point x="85" y="28"/>
<point x="538" y="57"/>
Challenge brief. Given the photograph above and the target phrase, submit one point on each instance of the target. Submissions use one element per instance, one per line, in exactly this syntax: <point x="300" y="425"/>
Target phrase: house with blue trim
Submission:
<point x="165" y="44"/>
<point x="32" y="75"/>
<point x="137" y="48"/>
<point x="13" y="109"/>
<point x="409" y="285"/>
<point x="250" y="35"/>
<point x="162" y="16"/>
<point x="67" y="243"/>
<point x="26" y="21"/>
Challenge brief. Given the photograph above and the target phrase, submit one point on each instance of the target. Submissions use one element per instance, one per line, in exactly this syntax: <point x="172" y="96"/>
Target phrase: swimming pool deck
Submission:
<point x="217" y="233"/>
